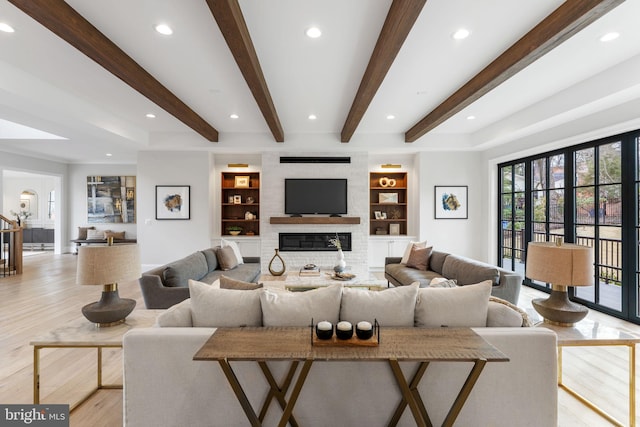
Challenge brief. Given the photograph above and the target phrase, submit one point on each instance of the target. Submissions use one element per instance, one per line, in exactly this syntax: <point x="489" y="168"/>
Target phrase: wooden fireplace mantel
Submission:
<point x="314" y="220"/>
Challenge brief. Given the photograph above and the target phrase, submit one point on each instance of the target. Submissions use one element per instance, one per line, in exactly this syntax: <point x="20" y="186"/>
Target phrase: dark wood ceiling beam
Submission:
<point x="66" y="23"/>
<point x="568" y="19"/>
<point x="397" y="25"/>
<point x="228" y="15"/>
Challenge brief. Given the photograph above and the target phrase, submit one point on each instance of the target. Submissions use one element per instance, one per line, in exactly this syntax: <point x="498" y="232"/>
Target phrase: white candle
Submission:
<point x="344" y="326"/>
<point x="364" y="326"/>
<point x="324" y="326"/>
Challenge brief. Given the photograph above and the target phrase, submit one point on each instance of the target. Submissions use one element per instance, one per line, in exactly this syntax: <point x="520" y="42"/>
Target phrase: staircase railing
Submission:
<point x="10" y="247"/>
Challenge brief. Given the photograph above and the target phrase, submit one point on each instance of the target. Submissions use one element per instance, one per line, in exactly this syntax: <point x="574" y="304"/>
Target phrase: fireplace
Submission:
<point x="296" y="242"/>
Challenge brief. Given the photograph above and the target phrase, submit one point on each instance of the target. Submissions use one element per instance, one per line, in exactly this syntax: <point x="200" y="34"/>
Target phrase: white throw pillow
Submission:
<point x="407" y="251"/>
<point x="298" y="308"/>
<point x="393" y="307"/>
<point x="213" y="307"/>
<point x="233" y="245"/>
<point x="176" y="316"/>
<point x="462" y="306"/>
<point x="95" y="234"/>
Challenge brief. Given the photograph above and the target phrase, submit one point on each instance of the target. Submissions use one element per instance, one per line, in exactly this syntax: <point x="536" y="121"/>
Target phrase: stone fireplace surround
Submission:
<point x="272" y="205"/>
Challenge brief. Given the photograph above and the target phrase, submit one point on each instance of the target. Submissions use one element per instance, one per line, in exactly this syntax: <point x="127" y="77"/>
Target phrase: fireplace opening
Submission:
<point x="293" y="242"/>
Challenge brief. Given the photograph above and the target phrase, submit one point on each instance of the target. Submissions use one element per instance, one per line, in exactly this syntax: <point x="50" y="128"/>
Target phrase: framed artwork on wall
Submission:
<point x="450" y="202"/>
<point x="111" y="199"/>
<point x="173" y="202"/>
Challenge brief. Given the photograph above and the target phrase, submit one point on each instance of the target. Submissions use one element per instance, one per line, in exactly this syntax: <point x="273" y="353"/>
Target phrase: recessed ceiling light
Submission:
<point x="609" y="37"/>
<point x="461" y="34"/>
<point x="312" y="117"/>
<point x="313" y="32"/>
<point x="471" y="117"/>
<point x="164" y="29"/>
<point x="391" y="117"/>
<point x="234" y="116"/>
<point x="6" y="28"/>
<point x="109" y="154"/>
<point x="150" y="116"/>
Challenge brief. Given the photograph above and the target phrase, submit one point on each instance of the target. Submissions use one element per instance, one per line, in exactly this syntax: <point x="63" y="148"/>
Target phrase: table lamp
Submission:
<point x="106" y="266"/>
<point x="561" y="265"/>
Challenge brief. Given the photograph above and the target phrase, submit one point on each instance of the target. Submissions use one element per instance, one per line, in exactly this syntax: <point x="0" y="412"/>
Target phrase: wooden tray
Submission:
<point x="354" y="341"/>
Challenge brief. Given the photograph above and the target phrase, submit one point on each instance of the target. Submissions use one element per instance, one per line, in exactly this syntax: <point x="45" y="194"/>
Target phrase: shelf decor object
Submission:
<point x="450" y="202"/>
<point x="106" y="266"/>
<point x="561" y="265"/>
<point x="173" y="202"/>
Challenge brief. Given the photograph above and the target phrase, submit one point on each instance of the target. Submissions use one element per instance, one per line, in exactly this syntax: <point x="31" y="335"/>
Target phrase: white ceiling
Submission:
<point x="49" y="85"/>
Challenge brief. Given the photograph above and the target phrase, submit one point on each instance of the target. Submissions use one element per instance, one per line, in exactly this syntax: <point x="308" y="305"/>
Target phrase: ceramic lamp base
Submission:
<point x="110" y="310"/>
<point x="558" y="309"/>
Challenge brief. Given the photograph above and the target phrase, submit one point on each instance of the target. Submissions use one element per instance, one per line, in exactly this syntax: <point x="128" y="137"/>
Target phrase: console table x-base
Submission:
<point x="423" y="345"/>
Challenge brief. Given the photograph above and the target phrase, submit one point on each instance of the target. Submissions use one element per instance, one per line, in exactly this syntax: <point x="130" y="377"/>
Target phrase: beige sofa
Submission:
<point x="163" y="385"/>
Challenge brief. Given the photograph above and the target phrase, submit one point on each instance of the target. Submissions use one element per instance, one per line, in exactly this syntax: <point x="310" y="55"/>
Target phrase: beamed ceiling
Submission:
<point x="90" y="71"/>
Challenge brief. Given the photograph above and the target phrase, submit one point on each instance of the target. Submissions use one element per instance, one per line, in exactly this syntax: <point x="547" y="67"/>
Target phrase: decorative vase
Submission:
<point x="277" y="258"/>
<point x="340" y="263"/>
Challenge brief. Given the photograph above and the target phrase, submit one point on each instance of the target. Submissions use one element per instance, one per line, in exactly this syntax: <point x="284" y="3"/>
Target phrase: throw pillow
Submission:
<point x="394" y="307"/>
<point x="407" y="251"/>
<point x="218" y="308"/>
<point x="82" y="232"/>
<point x="95" y="234"/>
<point x="114" y="234"/>
<point x="176" y="316"/>
<point x="441" y="282"/>
<point x="281" y="308"/>
<point x="226" y="258"/>
<point x="229" y="283"/>
<point x="419" y="258"/>
<point x="233" y="245"/>
<point x="462" y="306"/>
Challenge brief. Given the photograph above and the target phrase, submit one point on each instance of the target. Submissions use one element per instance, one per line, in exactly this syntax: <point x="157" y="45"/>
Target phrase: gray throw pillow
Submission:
<point x="82" y="232"/>
<point x="226" y="258"/>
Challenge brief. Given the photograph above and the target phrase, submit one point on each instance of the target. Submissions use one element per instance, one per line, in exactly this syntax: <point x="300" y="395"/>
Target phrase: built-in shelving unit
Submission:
<point x="314" y="220"/>
<point x="387" y="203"/>
<point x="240" y="194"/>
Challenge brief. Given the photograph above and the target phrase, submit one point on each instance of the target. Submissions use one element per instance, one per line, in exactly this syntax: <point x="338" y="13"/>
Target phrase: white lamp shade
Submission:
<point x="100" y="265"/>
<point x="564" y="265"/>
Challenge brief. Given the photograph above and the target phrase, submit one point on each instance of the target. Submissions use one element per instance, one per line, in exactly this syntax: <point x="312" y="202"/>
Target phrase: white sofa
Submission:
<point x="163" y="386"/>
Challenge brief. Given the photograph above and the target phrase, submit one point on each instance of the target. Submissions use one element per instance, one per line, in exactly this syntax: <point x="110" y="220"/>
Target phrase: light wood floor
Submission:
<point x="46" y="297"/>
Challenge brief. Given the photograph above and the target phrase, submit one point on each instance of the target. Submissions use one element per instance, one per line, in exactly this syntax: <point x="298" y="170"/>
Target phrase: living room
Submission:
<point x="580" y="91"/>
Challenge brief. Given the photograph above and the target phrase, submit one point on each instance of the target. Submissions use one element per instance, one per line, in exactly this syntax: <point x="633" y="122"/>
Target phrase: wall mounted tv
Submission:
<point x="315" y="196"/>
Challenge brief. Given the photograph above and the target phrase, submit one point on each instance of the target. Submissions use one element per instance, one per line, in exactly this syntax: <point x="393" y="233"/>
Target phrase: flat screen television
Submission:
<point x="315" y="196"/>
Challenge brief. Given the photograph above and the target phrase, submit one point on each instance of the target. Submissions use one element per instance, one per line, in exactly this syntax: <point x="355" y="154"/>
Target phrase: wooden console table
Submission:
<point x="397" y="345"/>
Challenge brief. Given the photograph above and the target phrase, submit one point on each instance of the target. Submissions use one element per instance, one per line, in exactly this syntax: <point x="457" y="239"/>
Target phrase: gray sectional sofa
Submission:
<point x="506" y="284"/>
<point x="168" y="285"/>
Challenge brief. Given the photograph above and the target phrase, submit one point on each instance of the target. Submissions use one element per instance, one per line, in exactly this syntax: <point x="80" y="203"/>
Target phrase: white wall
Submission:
<point x="162" y="241"/>
<point x="41" y="186"/>
<point x="459" y="236"/>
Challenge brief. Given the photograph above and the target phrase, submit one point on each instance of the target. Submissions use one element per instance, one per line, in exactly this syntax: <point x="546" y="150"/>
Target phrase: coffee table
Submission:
<point x="83" y="334"/>
<point x="589" y="333"/>
<point x="293" y="280"/>
<point x="397" y="345"/>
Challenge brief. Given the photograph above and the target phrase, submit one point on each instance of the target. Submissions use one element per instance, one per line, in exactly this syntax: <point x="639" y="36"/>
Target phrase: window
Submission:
<point x="578" y="194"/>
